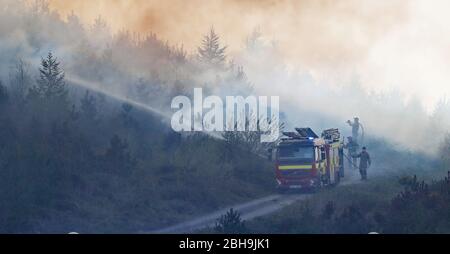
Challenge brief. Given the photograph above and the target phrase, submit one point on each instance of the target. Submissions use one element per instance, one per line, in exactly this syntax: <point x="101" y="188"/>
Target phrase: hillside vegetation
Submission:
<point x="389" y="205"/>
<point x="77" y="159"/>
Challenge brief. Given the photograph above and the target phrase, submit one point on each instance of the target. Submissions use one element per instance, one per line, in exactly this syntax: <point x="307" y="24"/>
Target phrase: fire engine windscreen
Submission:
<point x="292" y="152"/>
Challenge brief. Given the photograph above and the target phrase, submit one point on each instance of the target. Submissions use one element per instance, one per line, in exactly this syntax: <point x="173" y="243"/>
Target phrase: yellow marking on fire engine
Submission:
<point x="286" y="167"/>
<point x="338" y="145"/>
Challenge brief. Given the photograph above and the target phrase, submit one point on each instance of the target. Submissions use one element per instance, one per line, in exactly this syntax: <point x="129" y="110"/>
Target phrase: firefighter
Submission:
<point x="352" y="148"/>
<point x="355" y="128"/>
<point x="364" y="163"/>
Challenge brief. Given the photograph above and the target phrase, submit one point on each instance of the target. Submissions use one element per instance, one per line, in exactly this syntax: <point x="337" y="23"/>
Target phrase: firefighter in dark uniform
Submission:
<point x="352" y="148"/>
<point x="364" y="163"/>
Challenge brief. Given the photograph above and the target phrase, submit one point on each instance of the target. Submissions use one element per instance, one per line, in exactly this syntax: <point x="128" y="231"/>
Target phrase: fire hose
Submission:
<point x="362" y="133"/>
<point x="350" y="161"/>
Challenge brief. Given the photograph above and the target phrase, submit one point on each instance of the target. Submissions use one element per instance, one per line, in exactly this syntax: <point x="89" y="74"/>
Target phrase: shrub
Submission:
<point x="230" y="223"/>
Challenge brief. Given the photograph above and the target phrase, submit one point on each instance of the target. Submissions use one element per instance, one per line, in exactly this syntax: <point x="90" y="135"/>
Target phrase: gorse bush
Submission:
<point x="419" y="208"/>
<point x="230" y="223"/>
<point x="81" y="168"/>
<point x="445" y="152"/>
<point x="79" y="156"/>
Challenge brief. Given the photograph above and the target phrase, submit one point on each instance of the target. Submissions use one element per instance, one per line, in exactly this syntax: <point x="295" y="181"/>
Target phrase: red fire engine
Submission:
<point x="303" y="160"/>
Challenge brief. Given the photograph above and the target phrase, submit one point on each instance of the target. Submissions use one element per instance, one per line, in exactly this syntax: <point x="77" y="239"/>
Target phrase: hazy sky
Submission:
<point x="389" y="45"/>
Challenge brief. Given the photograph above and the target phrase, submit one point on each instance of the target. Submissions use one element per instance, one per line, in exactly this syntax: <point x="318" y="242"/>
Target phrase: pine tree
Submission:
<point x="127" y="118"/>
<point x="211" y="51"/>
<point x="100" y="34"/>
<point x="89" y="106"/>
<point x="75" y="26"/>
<point x="253" y="41"/>
<point x="51" y="84"/>
<point x="20" y="81"/>
<point x="3" y="94"/>
<point x="118" y="158"/>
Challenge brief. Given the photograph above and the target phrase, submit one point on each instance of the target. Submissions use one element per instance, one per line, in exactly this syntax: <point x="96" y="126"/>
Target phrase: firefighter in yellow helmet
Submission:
<point x="364" y="163"/>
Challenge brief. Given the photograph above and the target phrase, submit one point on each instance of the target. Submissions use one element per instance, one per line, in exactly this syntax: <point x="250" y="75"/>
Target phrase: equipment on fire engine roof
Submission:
<point x="331" y="134"/>
<point x="302" y="133"/>
<point x="306" y="132"/>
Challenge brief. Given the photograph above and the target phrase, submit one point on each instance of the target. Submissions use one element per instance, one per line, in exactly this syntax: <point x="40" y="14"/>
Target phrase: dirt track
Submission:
<point x="248" y="210"/>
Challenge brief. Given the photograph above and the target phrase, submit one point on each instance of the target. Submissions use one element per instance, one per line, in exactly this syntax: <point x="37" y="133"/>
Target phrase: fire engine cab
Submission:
<point x="305" y="161"/>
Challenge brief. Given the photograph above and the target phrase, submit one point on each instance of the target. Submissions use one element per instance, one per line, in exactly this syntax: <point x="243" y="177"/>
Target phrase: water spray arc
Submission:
<point x="96" y="87"/>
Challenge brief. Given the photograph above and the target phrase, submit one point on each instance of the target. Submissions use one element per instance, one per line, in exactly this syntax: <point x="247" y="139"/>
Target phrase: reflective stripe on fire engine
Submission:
<point x="286" y="167"/>
<point x="336" y="145"/>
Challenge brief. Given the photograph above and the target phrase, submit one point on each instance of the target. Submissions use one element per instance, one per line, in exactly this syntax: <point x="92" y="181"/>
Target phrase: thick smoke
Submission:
<point x="328" y="60"/>
<point x="389" y="44"/>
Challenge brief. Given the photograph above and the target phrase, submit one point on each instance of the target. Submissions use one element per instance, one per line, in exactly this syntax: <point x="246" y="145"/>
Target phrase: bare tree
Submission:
<point x="20" y="81"/>
<point x="3" y="93"/>
<point x="249" y="140"/>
